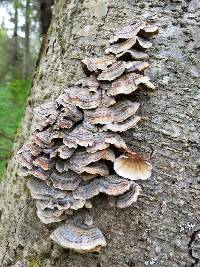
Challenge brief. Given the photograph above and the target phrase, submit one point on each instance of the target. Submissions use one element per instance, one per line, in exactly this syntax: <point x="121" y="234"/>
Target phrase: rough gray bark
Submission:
<point x="162" y="228"/>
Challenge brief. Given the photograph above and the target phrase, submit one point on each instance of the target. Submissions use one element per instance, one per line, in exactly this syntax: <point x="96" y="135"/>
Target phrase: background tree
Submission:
<point x="162" y="228"/>
<point x="27" y="61"/>
<point x="45" y="14"/>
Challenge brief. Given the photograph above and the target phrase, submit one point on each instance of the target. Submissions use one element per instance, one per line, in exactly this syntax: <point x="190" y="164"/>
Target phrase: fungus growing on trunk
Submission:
<point x="132" y="166"/>
<point x="77" y="152"/>
<point x="79" y="237"/>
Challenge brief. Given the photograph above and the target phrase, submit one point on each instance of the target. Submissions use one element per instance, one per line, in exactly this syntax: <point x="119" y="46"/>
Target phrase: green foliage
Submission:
<point x="12" y="105"/>
<point x="3" y="53"/>
<point x="19" y="90"/>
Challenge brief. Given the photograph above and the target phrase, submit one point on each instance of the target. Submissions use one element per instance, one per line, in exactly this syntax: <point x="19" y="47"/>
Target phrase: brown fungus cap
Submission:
<point x="39" y="173"/>
<point x="118" y="112"/>
<point x="121" y="47"/>
<point x="127" y="199"/>
<point x="95" y="168"/>
<point x="103" y="140"/>
<point x="80" y="136"/>
<point x="94" y="64"/>
<point x="43" y="138"/>
<point x="83" y="158"/>
<point x="65" y="152"/>
<point x="43" y="162"/>
<point x="25" y="158"/>
<point x="122" y="126"/>
<point x="136" y="66"/>
<point x="112" y="72"/>
<point x="67" y="203"/>
<point x="129" y="31"/>
<point x="87" y="190"/>
<point x="46" y="113"/>
<point x="82" y="98"/>
<point x="51" y="215"/>
<point x="65" y="181"/>
<point x="91" y="82"/>
<point x="133" y="167"/>
<point x="127" y="84"/>
<point x="114" y="185"/>
<point x="70" y="111"/>
<point x="39" y="188"/>
<point x="149" y="31"/>
<point x="79" y="237"/>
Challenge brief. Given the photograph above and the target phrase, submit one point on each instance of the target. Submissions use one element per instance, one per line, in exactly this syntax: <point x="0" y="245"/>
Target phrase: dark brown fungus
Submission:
<point x="43" y="139"/>
<point x="103" y="140"/>
<point x="25" y="158"/>
<point x="39" y="173"/>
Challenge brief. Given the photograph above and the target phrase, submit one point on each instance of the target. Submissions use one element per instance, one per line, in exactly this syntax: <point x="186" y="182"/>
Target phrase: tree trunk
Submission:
<point x="45" y="15"/>
<point x="26" y="71"/>
<point x="162" y="228"/>
<point x="15" y="55"/>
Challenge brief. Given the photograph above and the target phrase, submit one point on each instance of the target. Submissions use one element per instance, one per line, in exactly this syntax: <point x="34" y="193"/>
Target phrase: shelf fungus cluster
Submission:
<point x="77" y="151"/>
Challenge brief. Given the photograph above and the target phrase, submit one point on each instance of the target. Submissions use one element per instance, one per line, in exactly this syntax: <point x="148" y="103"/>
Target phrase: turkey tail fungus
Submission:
<point x="77" y="151"/>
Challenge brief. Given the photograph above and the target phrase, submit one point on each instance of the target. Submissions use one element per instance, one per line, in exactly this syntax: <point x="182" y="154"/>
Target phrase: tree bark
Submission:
<point x="162" y="228"/>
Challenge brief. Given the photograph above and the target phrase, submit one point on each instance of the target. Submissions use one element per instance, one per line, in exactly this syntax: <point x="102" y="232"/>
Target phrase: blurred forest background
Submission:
<point x="23" y="24"/>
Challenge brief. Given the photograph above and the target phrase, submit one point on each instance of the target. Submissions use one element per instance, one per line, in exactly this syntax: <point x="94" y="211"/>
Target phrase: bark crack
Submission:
<point x="7" y="245"/>
<point x="192" y="239"/>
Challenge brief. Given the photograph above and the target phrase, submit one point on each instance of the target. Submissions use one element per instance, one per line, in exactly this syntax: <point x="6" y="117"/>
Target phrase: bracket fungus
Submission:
<point x="79" y="237"/>
<point x="77" y="151"/>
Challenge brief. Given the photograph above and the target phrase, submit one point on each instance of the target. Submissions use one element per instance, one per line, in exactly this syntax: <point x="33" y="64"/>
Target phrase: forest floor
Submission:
<point x="13" y="98"/>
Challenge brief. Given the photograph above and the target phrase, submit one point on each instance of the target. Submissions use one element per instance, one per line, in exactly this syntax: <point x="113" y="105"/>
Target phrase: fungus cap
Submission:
<point x="79" y="237"/>
<point x="127" y="199"/>
<point x="132" y="167"/>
